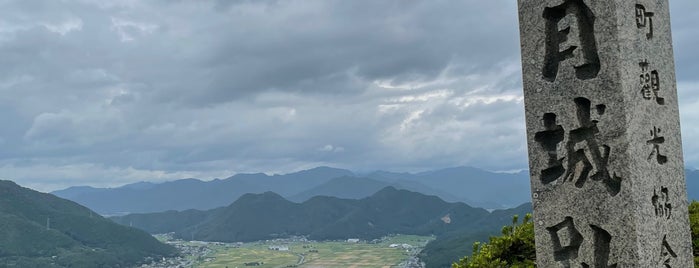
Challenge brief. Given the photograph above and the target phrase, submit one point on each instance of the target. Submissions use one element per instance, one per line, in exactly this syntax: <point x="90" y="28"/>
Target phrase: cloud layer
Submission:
<point x="102" y="93"/>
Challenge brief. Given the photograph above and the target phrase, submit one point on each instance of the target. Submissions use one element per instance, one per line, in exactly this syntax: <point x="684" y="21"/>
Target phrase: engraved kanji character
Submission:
<point x="650" y="83"/>
<point x="570" y="34"/>
<point x="644" y="20"/>
<point x="566" y="241"/>
<point x="587" y="158"/>
<point x="656" y="140"/>
<point x="661" y="203"/>
<point x="584" y="157"/>
<point x="549" y="140"/>
<point x="667" y="255"/>
<point x="602" y="242"/>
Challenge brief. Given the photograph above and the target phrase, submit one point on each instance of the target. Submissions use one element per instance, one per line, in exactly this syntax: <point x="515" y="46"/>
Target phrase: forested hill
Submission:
<point x="41" y="230"/>
<point x="268" y="215"/>
<point x="450" y="247"/>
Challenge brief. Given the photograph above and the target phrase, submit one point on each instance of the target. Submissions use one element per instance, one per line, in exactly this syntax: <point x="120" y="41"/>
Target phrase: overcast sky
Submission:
<point x="103" y="93"/>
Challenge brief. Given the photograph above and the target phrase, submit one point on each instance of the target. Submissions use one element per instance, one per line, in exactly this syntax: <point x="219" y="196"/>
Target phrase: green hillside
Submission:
<point x="450" y="247"/>
<point x="75" y="237"/>
<point x="266" y="216"/>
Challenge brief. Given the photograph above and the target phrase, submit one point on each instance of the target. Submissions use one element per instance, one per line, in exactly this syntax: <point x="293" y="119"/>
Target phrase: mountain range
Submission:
<point x="268" y="215"/>
<point x="692" y="177"/>
<point x="321" y="203"/>
<point x="478" y="188"/>
<point x="42" y="230"/>
<point x="463" y="184"/>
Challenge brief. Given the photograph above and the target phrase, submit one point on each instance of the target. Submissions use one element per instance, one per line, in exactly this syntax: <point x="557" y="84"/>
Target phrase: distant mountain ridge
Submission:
<point x="342" y="187"/>
<point x="268" y="215"/>
<point x="692" y="184"/>
<point x="361" y="187"/>
<point x="469" y="185"/>
<point x="42" y="230"/>
<point x="478" y="188"/>
<point x="195" y="194"/>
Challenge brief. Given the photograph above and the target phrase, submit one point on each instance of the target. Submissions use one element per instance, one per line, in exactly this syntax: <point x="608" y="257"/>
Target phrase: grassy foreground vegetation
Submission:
<point x="515" y="247"/>
<point x="317" y="254"/>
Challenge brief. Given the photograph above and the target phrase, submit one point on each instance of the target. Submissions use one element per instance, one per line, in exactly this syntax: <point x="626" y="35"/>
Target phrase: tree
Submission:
<point x="694" y="224"/>
<point x="515" y="248"/>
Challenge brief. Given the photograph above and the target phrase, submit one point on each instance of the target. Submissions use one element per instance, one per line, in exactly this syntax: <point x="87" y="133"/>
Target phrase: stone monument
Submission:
<point x="603" y="131"/>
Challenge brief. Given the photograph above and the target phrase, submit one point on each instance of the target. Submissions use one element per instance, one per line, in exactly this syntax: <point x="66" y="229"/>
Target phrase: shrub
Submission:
<point x="515" y="248"/>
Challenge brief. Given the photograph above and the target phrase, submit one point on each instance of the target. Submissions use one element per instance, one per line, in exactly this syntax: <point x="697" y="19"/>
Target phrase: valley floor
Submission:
<point x="394" y="251"/>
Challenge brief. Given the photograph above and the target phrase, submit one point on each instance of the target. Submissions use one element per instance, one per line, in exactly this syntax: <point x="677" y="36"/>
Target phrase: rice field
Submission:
<point x="318" y="254"/>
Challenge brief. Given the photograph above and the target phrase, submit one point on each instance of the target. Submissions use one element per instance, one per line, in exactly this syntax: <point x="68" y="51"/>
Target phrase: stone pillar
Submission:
<point x="603" y="131"/>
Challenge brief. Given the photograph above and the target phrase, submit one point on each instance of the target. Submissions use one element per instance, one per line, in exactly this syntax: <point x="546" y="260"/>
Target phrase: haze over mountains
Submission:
<point x="463" y="184"/>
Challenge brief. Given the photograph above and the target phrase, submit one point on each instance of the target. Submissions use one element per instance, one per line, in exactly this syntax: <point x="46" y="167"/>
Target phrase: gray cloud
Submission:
<point x="106" y="93"/>
<point x="685" y="38"/>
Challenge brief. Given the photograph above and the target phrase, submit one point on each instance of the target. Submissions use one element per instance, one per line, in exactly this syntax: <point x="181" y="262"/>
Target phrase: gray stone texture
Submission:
<point x="603" y="131"/>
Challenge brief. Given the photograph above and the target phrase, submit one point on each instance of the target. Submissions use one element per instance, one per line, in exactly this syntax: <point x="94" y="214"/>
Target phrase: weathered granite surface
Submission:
<point x="604" y="136"/>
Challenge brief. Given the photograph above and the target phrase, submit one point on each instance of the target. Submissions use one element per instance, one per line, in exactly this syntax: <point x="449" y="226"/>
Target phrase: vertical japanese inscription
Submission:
<point x="585" y="157"/>
<point x="567" y="241"/>
<point x="549" y="139"/>
<point x="644" y="20"/>
<point x="570" y="35"/>
<point x="597" y="112"/>
<point x="661" y="203"/>
<point x="650" y="83"/>
<point x="655" y="141"/>
<point x="602" y="241"/>
<point x="667" y="255"/>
